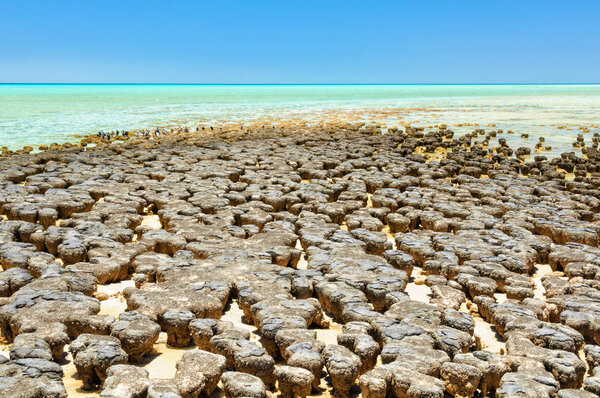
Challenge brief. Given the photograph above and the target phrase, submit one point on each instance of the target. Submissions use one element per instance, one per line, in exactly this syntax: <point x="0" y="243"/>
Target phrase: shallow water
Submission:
<point x="32" y="114"/>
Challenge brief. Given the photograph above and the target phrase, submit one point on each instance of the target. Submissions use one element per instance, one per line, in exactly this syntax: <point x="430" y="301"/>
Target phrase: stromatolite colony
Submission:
<point x="299" y="226"/>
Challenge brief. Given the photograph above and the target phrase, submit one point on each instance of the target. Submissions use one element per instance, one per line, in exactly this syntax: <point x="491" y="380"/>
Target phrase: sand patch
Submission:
<point x="539" y="271"/>
<point x="111" y="296"/>
<point x="487" y="338"/>
<point x="329" y="335"/>
<point x="235" y="315"/>
<point x="161" y="363"/>
<point x="151" y="221"/>
<point x="302" y="262"/>
<point x="113" y="306"/>
<point x="416" y="289"/>
<point x="389" y="236"/>
<point x="114" y="289"/>
<point x="5" y="350"/>
<point x="500" y="297"/>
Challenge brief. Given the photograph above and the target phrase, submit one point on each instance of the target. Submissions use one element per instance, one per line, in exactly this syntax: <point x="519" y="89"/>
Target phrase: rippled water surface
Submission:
<point x="32" y="114"/>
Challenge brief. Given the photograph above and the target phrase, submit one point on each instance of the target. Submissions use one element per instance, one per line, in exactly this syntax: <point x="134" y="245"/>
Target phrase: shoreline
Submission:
<point x="41" y="116"/>
<point x="492" y="133"/>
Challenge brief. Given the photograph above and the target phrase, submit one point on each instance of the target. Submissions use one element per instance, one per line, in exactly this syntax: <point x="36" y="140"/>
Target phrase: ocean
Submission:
<point x="34" y="114"/>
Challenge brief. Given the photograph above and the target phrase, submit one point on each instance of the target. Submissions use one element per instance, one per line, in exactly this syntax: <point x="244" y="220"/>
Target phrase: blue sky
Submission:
<point x="300" y="41"/>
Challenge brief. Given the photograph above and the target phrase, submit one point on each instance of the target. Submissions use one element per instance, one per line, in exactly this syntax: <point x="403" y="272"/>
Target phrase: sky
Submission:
<point x="253" y="41"/>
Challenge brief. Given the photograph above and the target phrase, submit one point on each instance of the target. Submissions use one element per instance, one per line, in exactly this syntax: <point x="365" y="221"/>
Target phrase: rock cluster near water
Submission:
<point x="303" y="228"/>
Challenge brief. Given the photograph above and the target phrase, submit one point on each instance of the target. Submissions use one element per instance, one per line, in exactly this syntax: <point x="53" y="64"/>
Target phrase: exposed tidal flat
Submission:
<point x="294" y="259"/>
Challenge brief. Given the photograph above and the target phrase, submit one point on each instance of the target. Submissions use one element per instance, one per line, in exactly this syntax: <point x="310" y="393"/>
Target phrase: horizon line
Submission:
<point x="299" y="84"/>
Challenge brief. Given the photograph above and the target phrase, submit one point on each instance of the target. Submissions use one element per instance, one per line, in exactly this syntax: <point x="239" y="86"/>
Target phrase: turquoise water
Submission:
<point x="33" y="114"/>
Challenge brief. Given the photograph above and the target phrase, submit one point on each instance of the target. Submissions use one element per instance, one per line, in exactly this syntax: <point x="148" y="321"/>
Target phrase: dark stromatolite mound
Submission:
<point x="31" y="377"/>
<point x="202" y="300"/>
<point x="125" y="381"/>
<point x="137" y="334"/>
<point x="343" y="366"/>
<point x="29" y="345"/>
<point x="293" y="382"/>
<point x="163" y="388"/>
<point x="50" y="315"/>
<point x="198" y="372"/>
<point x="238" y="385"/>
<point x="93" y="355"/>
